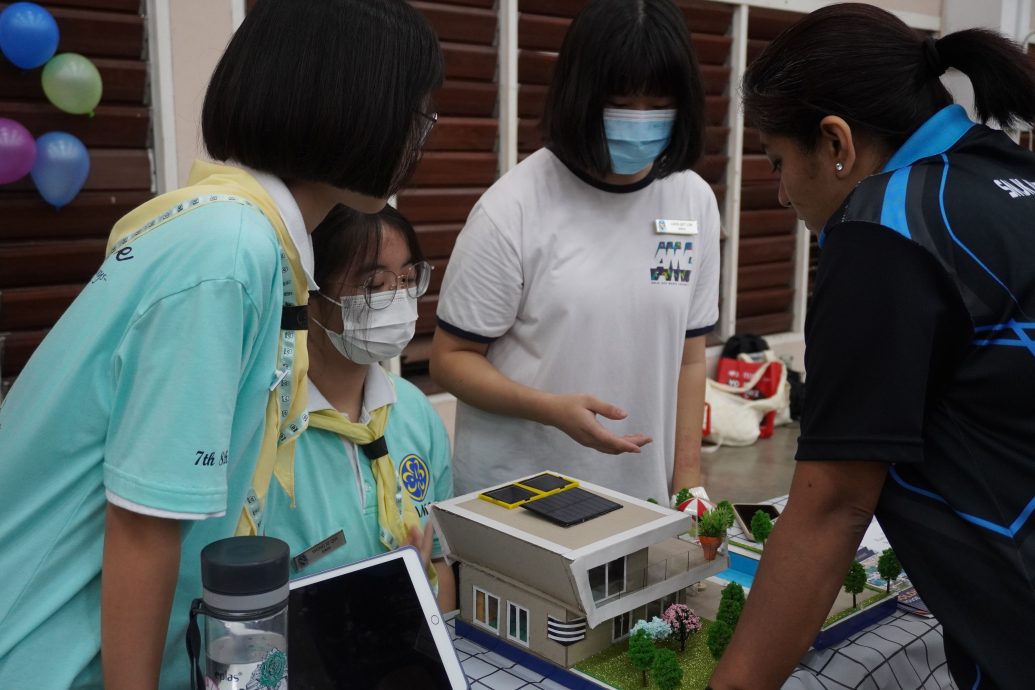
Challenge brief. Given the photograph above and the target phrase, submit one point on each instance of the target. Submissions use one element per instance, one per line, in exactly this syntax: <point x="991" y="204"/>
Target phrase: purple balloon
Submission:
<point x="17" y="151"/>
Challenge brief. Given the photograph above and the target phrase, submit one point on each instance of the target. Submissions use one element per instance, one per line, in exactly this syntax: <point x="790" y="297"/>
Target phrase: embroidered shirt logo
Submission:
<point x="415" y="476"/>
<point x="672" y="261"/>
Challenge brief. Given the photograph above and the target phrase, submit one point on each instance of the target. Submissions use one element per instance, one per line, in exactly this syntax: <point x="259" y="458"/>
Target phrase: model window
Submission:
<point x="608" y="580"/>
<point x="517" y="623"/>
<point x="622" y="624"/>
<point x="487" y="609"/>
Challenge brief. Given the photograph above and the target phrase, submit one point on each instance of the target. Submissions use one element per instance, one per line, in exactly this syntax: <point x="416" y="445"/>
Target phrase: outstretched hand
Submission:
<point x="576" y="415"/>
<point x="423" y="540"/>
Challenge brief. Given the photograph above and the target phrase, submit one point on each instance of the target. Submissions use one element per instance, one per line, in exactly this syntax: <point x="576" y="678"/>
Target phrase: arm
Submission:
<point x="461" y="367"/>
<point x="446" y="585"/>
<point x="805" y="561"/>
<point x="686" y="470"/>
<point x="140" y="567"/>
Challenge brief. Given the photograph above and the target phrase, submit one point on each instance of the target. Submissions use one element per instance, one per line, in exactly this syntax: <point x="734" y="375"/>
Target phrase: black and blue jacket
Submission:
<point x="920" y="352"/>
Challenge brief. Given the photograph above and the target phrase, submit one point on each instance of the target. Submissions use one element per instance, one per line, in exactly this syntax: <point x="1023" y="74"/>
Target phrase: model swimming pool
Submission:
<point x="742" y="570"/>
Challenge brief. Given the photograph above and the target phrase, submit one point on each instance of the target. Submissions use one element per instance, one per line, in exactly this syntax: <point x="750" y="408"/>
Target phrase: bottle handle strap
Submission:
<point x="197" y="679"/>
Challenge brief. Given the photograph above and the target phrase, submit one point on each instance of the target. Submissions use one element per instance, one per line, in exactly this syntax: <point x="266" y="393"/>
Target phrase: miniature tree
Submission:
<point x="656" y="628"/>
<point x="641" y="652"/>
<point x="855" y="581"/>
<point x="725" y="508"/>
<point x="683" y="622"/>
<point x="731" y="603"/>
<point x="719" y="635"/>
<point x="888" y="567"/>
<point x="761" y="526"/>
<point x="667" y="672"/>
<point x="683" y="495"/>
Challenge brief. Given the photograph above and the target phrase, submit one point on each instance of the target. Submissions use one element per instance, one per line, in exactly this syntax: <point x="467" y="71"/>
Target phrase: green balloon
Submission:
<point x="72" y="83"/>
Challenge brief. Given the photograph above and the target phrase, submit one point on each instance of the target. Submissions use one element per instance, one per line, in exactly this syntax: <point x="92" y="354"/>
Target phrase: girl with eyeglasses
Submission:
<point x="573" y="314"/>
<point x="153" y="418"/>
<point x="365" y="497"/>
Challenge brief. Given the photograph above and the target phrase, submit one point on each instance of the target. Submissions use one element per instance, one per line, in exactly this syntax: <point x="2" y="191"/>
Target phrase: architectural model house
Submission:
<point x="562" y="568"/>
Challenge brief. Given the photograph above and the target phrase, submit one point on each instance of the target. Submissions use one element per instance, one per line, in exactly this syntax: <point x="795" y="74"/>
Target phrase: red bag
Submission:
<point x="739" y="372"/>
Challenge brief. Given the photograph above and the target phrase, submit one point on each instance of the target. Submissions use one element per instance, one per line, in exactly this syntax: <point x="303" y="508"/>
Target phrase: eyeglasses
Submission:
<point x="415" y="280"/>
<point x="426" y="125"/>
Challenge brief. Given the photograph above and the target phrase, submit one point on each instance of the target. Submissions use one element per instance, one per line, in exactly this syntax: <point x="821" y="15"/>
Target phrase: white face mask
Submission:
<point x="374" y="334"/>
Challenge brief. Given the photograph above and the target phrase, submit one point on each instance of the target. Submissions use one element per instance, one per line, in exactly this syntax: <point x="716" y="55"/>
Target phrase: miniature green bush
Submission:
<point x="712" y="524"/>
<point x="761" y="526"/>
<point x="683" y="495"/>
<point x="726" y="509"/>
<point x="855" y="581"/>
<point x="667" y="672"/>
<point x="888" y="567"/>
<point x="641" y="652"/>
<point x="731" y="603"/>
<point x="719" y="636"/>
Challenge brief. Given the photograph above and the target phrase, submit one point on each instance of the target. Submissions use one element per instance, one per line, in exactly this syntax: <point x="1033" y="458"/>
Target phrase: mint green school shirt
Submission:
<point x="335" y="488"/>
<point x="151" y="389"/>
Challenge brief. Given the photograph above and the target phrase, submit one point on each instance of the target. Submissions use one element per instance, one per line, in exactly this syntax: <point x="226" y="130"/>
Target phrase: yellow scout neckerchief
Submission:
<point x="286" y="415"/>
<point x="394" y="520"/>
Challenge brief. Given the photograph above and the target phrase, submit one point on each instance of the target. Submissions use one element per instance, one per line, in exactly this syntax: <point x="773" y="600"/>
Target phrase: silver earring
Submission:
<point x="839" y="166"/>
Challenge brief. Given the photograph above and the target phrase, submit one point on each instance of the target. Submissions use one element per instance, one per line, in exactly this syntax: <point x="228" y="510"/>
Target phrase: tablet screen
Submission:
<point x="362" y="629"/>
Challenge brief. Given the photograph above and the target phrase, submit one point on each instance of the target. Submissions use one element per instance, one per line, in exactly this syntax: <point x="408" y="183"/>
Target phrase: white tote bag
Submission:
<point x="734" y="419"/>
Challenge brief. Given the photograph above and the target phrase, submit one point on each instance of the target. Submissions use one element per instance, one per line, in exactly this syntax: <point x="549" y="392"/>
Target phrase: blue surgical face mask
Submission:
<point x="635" y="138"/>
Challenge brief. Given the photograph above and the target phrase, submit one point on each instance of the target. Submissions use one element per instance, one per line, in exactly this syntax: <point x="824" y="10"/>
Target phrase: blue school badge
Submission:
<point x="415" y="476"/>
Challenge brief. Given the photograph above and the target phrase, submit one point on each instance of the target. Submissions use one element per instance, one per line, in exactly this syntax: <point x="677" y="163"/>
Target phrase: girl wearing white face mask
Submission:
<point x="573" y="314"/>
<point x="376" y="454"/>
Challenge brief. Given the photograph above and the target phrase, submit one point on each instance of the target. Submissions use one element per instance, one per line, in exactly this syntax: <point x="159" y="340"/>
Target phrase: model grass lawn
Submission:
<point x="612" y="666"/>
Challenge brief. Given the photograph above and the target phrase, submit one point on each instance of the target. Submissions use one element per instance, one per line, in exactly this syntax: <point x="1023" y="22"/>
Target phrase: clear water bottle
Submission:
<point x="244" y="602"/>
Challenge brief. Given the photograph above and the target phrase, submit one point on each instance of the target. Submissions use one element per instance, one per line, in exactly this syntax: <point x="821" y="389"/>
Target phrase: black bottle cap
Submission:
<point x="242" y="566"/>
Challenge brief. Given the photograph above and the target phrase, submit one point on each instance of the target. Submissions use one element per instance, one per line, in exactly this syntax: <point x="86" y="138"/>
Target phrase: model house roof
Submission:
<point x="523" y="547"/>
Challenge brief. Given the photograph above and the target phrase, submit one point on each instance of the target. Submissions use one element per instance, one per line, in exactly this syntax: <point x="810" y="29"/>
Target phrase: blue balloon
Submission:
<point x="62" y="165"/>
<point x="28" y="34"/>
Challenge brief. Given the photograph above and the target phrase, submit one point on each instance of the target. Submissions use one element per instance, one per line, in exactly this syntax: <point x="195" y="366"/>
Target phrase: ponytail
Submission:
<point x="865" y="65"/>
<point x="1002" y="75"/>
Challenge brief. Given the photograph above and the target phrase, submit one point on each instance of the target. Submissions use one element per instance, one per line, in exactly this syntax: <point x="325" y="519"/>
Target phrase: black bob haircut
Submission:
<point x="325" y="91"/>
<point x="868" y="67"/>
<point x="347" y="241"/>
<point x="623" y="48"/>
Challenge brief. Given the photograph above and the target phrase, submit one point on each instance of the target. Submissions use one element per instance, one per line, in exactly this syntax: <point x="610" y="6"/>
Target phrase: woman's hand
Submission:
<point x="576" y="415"/>
<point x="422" y="540"/>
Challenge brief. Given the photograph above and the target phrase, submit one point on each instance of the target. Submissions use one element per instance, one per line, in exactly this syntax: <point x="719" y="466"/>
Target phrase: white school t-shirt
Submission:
<point x="577" y="291"/>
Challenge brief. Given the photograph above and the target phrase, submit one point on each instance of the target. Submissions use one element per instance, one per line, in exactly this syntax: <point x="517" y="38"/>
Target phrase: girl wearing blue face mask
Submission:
<point x="375" y="454"/>
<point x="573" y="315"/>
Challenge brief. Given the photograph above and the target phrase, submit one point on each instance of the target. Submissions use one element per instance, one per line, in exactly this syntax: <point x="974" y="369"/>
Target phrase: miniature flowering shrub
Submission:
<point x="683" y="622"/>
<point x="656" y="628"/>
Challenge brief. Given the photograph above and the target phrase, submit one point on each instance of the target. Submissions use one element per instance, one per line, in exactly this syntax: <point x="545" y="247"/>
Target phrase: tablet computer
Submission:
<point x="370" y="624"/>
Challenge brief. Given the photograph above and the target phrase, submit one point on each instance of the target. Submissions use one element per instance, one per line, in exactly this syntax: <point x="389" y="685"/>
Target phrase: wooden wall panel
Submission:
<point x="765" y="275"/>
<point x="46" y="256"/>
<point x="460" y="159"/>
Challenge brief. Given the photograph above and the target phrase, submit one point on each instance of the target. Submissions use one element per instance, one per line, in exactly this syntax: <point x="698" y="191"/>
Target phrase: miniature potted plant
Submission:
<point x="711" y="530"/>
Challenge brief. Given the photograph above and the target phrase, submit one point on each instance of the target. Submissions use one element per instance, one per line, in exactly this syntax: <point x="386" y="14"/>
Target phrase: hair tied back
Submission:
<point x="932" y="58"/>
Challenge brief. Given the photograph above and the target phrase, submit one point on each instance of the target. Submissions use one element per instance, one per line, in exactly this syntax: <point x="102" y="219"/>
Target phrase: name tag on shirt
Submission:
<point x="665" y="226"/>
<point x="315" y="553"/>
